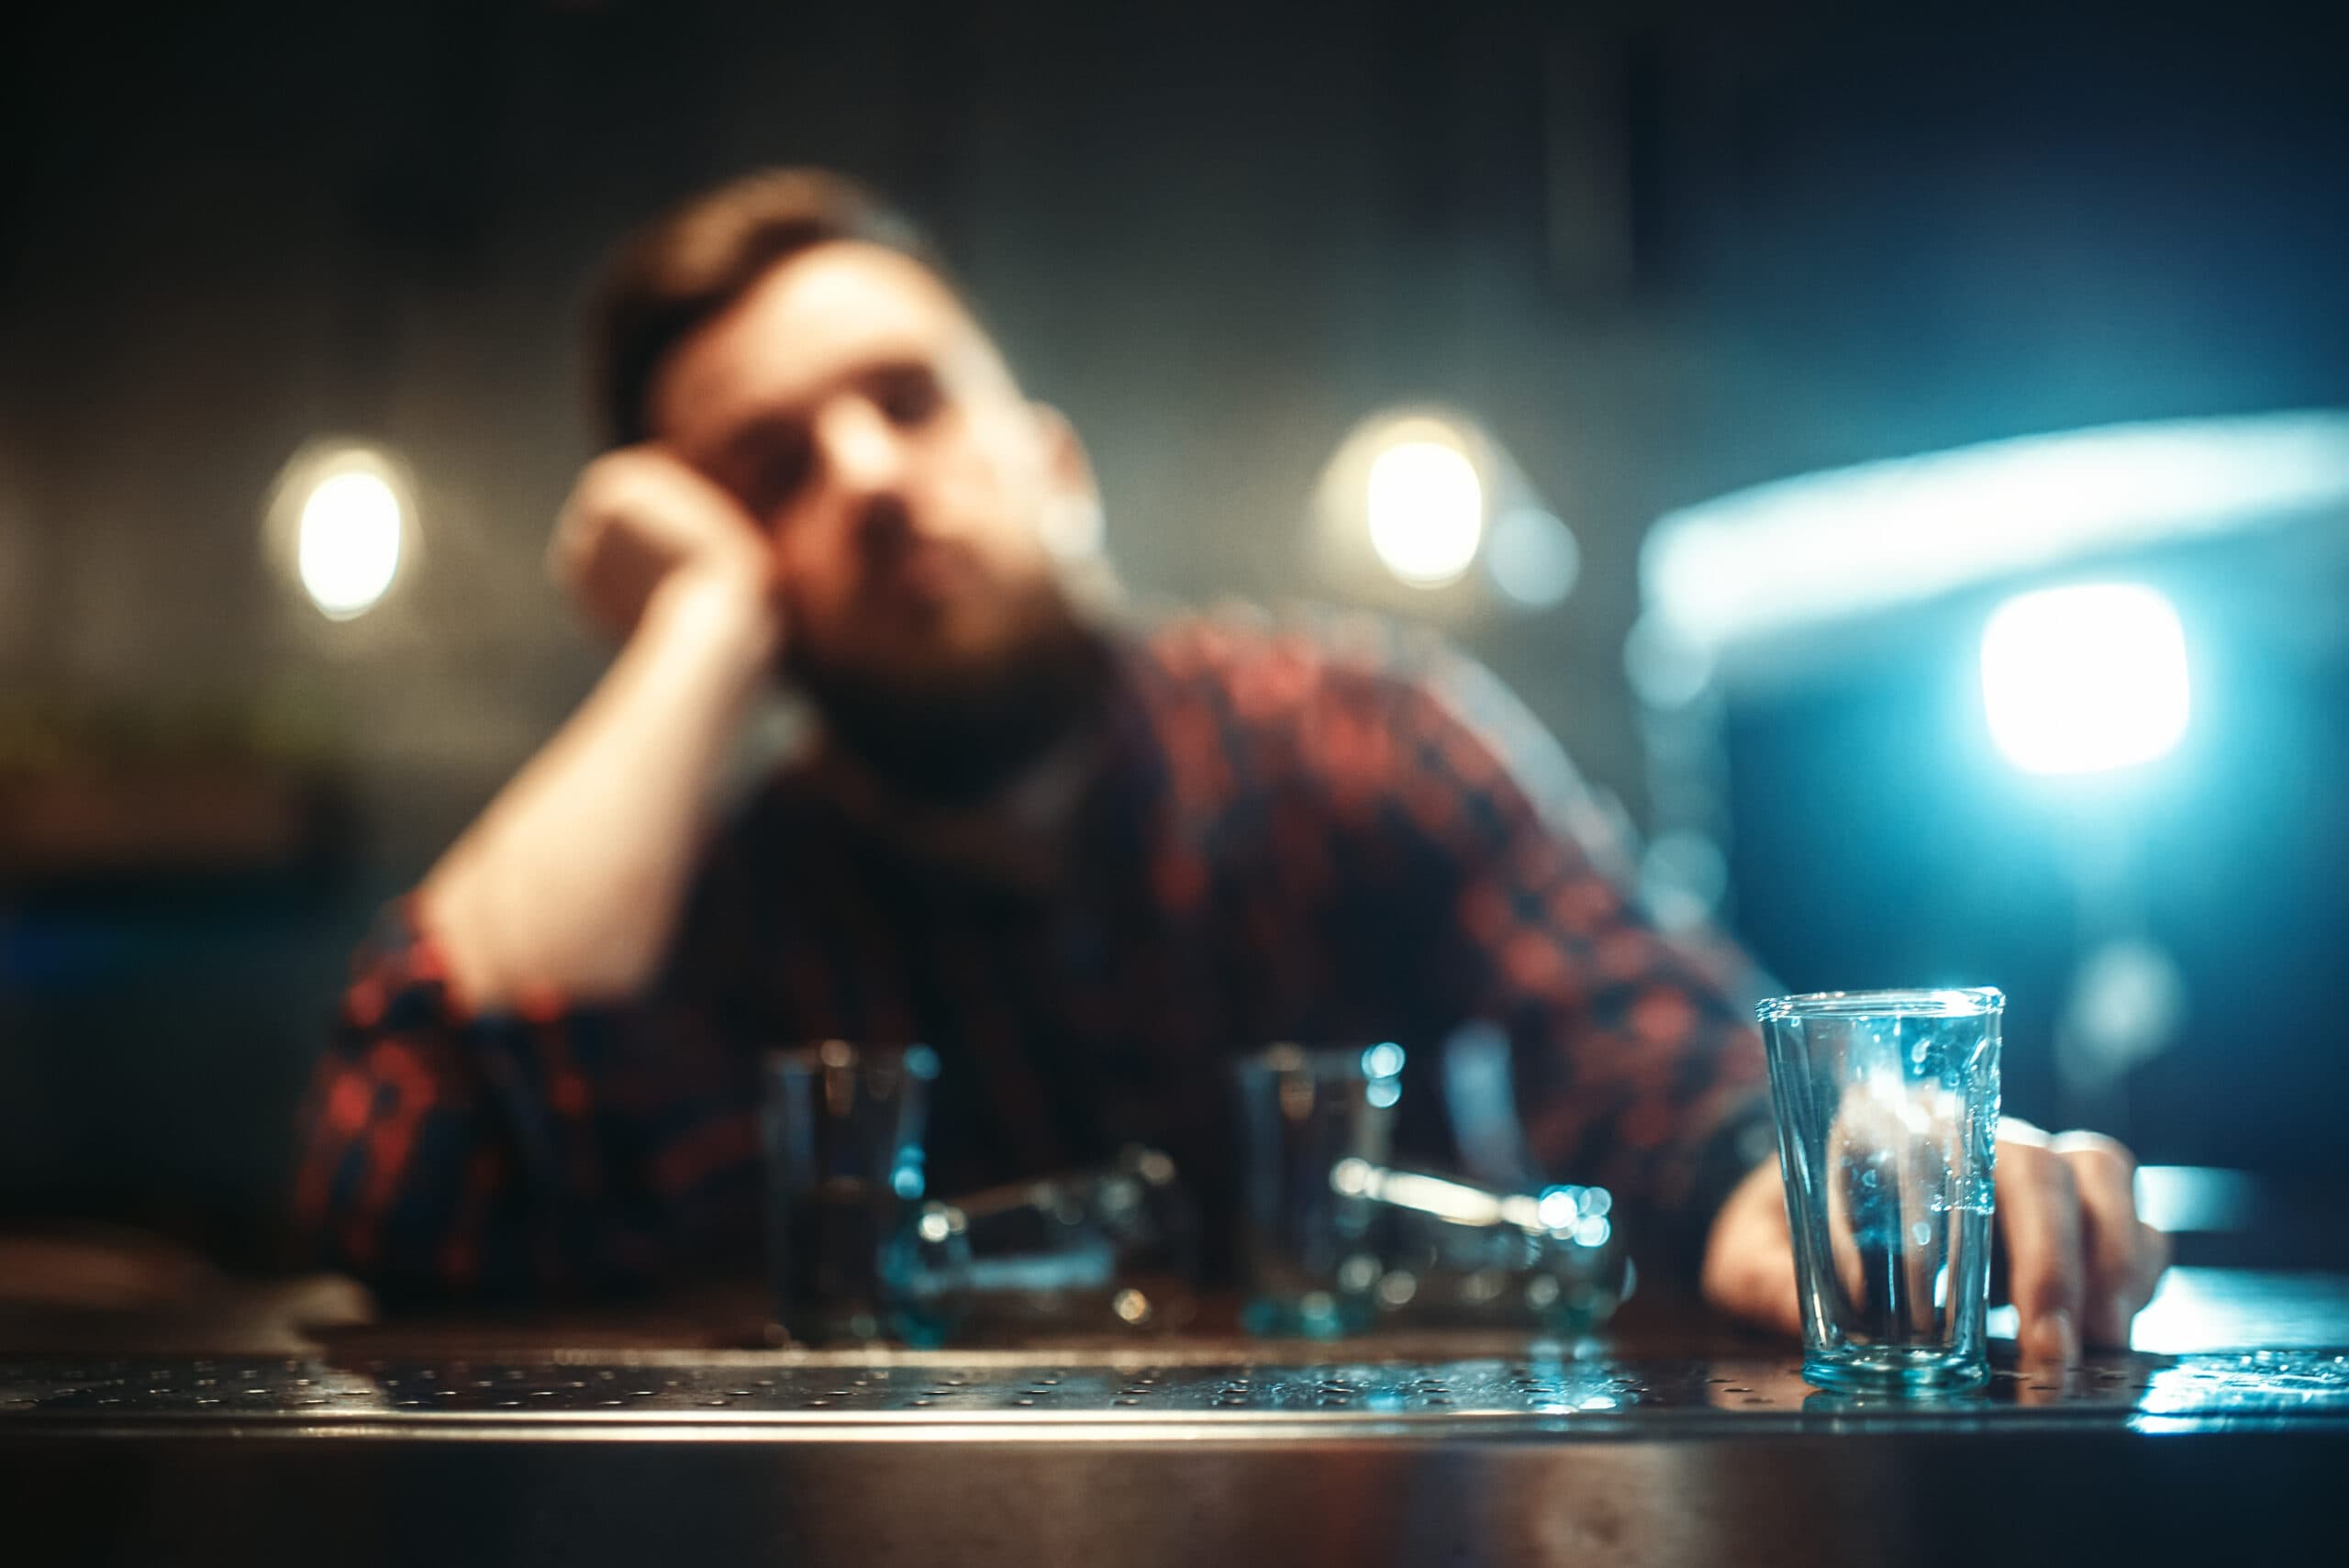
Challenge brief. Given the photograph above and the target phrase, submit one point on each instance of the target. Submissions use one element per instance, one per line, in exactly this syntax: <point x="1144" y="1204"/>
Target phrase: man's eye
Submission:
<point x="906" y="398"/>
<point x="776" y="478"/>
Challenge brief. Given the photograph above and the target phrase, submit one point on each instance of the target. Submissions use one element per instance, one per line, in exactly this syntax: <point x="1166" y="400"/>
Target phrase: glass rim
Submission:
<point x="1338" y="1061"/>
<point x="817" y="1056"/>
<point x="1931" y="1002"/>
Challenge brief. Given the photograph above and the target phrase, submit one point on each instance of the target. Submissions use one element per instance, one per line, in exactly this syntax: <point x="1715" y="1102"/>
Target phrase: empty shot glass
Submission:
<point x="1887" y="1113"/>
<point x="843" y="1127"/>
<point x="1308" y="1255"/>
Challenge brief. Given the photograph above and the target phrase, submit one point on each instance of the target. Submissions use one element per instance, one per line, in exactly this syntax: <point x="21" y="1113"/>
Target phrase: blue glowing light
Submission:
<point x="2081" y="679"/>
<point x="1560" y="1209"/>
<point x="1824" y="547"/>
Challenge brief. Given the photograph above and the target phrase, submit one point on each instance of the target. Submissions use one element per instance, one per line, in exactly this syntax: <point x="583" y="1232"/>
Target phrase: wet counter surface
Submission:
<point x="1208" y="1450"/>
<point x="2243" y="1348"/>
<point x="1341" y="1392"/>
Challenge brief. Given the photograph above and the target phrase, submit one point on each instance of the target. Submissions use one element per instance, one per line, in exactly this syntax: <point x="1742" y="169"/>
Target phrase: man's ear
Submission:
<point x="1066" y="464"/>
<point x="1072" y="517"/>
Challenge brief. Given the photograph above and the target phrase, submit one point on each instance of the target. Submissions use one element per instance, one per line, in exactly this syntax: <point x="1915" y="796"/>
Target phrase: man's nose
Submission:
<point x="863" y="453"/>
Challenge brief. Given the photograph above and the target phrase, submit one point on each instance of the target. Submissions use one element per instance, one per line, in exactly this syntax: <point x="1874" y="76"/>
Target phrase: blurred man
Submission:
<point x="1086" y="865"/>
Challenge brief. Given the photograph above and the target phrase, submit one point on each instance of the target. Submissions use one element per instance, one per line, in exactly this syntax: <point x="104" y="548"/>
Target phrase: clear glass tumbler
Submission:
<point x="843" y="1128"/>
<point x="1887" y="1112"/>
<point x="1309" y="1259"/>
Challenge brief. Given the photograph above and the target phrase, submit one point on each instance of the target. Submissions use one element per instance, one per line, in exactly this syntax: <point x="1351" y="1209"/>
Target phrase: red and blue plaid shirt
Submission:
<point x="1292" y="839"/>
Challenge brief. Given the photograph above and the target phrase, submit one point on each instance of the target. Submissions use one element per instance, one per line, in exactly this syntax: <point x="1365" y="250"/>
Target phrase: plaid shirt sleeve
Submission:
<point x="525" y="1151"/>
<point x="1638" y="1067"/>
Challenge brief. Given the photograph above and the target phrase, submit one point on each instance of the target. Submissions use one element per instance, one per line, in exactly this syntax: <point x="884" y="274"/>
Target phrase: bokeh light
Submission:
<point x="344" y="526"/>
<point x="349" y="543"/>
<point x="1819" y="547"/>
<point x="1533" y="558"/>
<point x="2081" y="679"/>
<point x="1426" y="510"/>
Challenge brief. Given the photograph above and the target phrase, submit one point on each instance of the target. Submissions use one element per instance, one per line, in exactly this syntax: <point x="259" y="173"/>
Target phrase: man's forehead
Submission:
<point x="812" y="319"/>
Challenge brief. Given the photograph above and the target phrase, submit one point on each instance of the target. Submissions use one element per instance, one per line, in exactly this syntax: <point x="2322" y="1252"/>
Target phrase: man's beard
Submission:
<point x="955" y="736"/>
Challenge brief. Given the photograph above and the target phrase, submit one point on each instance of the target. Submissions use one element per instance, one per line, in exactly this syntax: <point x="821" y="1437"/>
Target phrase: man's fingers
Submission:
<point x="1749" y="1261"/>
<point x="2111" y="1287"/>
<point x="1761" y="1287"/>
<point x="2124" y="1258"/>
<point x="2039" y="1212"/>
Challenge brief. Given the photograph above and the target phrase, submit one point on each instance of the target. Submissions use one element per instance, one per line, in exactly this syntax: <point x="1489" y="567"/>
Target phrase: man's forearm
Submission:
<point x="573" y="878"/>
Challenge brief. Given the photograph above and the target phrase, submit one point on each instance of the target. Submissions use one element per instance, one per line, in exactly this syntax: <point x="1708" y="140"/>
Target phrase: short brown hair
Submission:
<point x="693" y="261"/>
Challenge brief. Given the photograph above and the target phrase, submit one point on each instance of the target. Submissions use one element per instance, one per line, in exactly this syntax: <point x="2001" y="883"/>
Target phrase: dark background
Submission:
<point x="1662" y="251"/>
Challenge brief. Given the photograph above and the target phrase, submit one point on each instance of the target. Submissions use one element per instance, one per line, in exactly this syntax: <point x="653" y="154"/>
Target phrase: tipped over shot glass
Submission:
<point x="1887" y="1114"/>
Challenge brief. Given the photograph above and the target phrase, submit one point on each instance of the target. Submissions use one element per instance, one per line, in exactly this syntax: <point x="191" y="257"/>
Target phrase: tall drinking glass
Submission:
<point x="1887" y="1112"/>
<point x="1310" y="1260"/>
<point x="843" y="1129"/>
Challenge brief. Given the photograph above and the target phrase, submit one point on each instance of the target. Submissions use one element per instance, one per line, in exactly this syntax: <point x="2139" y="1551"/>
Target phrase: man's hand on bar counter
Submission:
<point x="2080" y="1265"/>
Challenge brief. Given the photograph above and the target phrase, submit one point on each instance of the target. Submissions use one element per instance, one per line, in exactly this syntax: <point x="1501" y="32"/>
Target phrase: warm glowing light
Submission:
<point x="2078" y="680"/>
<point x="347" y="546"/>
<point x="1427" y="511"/>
